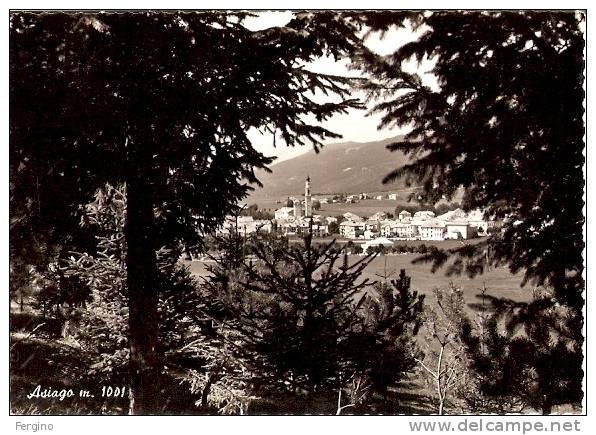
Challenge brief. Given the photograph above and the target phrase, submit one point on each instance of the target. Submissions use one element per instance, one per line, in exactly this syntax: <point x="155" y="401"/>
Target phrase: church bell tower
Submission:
<point x="307" y="198"/>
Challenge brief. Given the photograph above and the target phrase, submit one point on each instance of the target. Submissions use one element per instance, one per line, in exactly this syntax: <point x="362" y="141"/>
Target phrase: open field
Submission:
<point x="414" y="395"/>
<point x="499" y="282"/>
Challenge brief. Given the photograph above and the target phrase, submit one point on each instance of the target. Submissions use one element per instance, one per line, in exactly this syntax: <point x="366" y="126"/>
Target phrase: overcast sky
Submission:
<point x="354" y="126"/>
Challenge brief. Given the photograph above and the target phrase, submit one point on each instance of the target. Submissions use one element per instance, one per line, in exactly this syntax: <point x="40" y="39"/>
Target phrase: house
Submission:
<point x="330" y="219"/>
<point x="399" y="230"/>
<point x="453" y="215"/>
<point x="373" y="225"/>
<point x="352" y="199"/>
<point x="320" y="230"/>
<point x="364" y="196"/>
<point x="244" y="225"/>
<point x="405" y="231"/>
<point x="352" y="230"/>
<point x="432" y="230"/>
<point x="352" y="217"/>
<point x="298" y="209"/>
<point x="284" y="213"/>
<point x="317" y="218"/>
<point x="379" y="197"/>
<point x="369" y="234"/>
<point x="378" y="216"/>
<point x="287" y="228"/>
<point x="404" y="215"/>
<point x="392" y="196"/>
<point x="458" y="230"/>
<point x="476" y="220"/>
<point x="424" y="215"/>
<point x="386" y="228"/>
<point x="303" y="226"/>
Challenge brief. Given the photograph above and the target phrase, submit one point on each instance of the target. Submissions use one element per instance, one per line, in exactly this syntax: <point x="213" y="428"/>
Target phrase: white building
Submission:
<point x="458" y="230"/>
<point x="352" y="230"/>
<point x="386" y="228"/>
<point x="244" y="225"/>
<point x="399" y="230"/>
<point x="404" y="215"/>
<point x="453" y="215"/>
<point x="320" y="230"/>
<point x="284" y="213"/>
<point x="424" y="215"/>
<point x="369" y="234"/>
<point x="379" y="197"/>
<point x="298" y="209"/>
<point x="352" y="217"/>
<point x="392" y="196"/>
<point x="432" y="230"/>
<point x="302" y="225"/>
<point x="378" y="216"/>
<point x="476" y="220"/>
<point x="373" y="225"/>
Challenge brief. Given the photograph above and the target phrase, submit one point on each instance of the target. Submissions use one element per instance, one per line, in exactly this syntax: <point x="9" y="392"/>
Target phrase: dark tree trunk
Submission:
<point x="205" y="392"/>
<point x="142" y="292"/>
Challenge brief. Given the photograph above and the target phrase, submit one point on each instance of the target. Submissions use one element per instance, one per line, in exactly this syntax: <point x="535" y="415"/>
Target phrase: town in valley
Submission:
<point x="380" y="229"/>
<point x="297" y="212"/>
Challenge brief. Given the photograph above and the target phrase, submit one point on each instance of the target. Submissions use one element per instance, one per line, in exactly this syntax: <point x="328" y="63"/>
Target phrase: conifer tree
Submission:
<point x="297" y="307"/>
<point x="525" y="356"/>
<point x="162" y="102"/>
<point x="502" y="124"/>
<point x="488" y="126"/>
<point x="395" y="313"/>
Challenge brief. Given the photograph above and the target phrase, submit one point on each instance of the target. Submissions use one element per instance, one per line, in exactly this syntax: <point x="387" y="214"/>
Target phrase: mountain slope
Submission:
<point x="349" y="167"/>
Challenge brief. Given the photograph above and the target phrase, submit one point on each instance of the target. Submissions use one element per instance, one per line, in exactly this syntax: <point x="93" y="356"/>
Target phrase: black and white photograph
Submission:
<point x="297" y="212"/>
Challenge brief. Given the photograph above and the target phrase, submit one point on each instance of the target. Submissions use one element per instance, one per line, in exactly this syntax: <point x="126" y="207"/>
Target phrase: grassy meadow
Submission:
<point x="412" y="395"/>
<point x="499" y="282"/>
